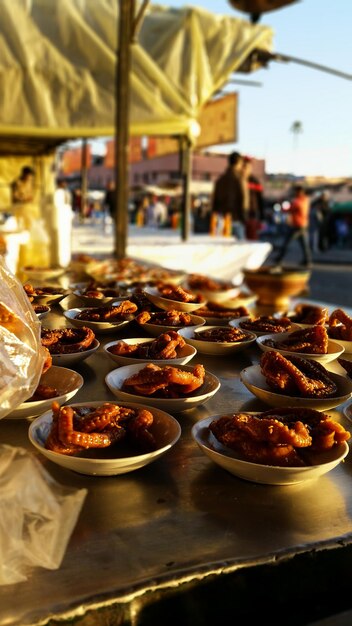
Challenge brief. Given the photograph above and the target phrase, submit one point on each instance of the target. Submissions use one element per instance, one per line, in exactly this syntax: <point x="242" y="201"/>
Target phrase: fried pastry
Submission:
<point x="309" y="341"/>
<point x="309" y="314"/>
<point x="75" y="429"/>
<point x="340" y="325"/>
<point x="177" y="293"/>
<point x="267" y="324"/>
<point x="114" y="313"/>
<point x="178" y="319"/>
<point x="164" y="382"/>
<point x="221" y="335"/>
<point x="281" y="437"/>
<point x="67" y="340"/>
<point x="198" y="281"/>
<point x="216" y="310"/>
<point x="164" y="347"/>
<point x="295" y="376"/>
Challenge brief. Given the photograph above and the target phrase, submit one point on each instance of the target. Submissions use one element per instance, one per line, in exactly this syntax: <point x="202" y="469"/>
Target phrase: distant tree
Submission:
<point x="296" y="129"/>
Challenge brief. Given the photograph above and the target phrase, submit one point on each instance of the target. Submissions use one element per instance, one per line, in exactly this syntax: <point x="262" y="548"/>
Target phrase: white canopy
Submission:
<point x="57" y="69"/>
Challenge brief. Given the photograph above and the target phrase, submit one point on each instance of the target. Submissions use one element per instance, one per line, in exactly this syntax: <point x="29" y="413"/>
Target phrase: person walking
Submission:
<point x="297" y="227"/>
<point x="231" y="197"/>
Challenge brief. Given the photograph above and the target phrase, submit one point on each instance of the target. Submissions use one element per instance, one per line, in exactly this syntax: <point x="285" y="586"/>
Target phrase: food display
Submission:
<point x="295" y="376"/>
<point x="312" y="340"/>
<point x="67" y="340"/>
<point x="309" y="314"/>
<point x="289" y="437"/>
<point x="165" y="346"/>
<point x="165" y="382"/>
<point x="266" y="324"/>
<point x="113" y="313"/>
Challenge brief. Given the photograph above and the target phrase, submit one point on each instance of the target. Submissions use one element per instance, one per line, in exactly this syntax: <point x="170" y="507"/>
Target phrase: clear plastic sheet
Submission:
<point x="37" y="515"/>
<point x="21" y="352"/>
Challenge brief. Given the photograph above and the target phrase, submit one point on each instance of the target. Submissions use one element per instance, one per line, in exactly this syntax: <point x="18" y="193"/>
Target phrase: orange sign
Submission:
<point x="218" y="122"/>
<point x="158" y="146"/>
<point x="135" y="151"/>
<point x="72" y="160"/>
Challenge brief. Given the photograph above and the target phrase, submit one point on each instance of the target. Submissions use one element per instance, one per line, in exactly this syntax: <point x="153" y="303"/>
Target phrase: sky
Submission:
<point x="318" y="31"/>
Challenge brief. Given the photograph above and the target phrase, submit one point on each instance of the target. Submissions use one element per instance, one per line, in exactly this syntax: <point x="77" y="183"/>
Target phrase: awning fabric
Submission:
<point x="57" y="69"/>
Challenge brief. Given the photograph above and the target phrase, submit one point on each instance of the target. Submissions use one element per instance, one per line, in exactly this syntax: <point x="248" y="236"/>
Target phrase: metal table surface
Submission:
<point x="178" y="520"/>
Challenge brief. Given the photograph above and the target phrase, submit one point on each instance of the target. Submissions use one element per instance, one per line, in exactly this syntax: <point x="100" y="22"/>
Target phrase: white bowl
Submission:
<point x="256" y="472"/>
<point x="49" y="298"/>
<point x="216" y="296"/>
<point x="256" y="383"/>
<point x="97" y="327"/>
<point x="43" y="313"/>
<point x="116" y="378"/>
<point x="96" y="302"/>
<point x="157" y="329"/>
<point x="185" y="354"/>
<point x="43" y="273"/>
<point x="214" y="347"/>
<point x="346" y="345"/>
<point x="66" y="360"/>
<point x="241" y="300"/>
<point x="165" y="429"/>
<point x="334" y="349"/>
<point x="66" y="381"/>
<point x="212" y="318"/>
<point x="166" y="303"/>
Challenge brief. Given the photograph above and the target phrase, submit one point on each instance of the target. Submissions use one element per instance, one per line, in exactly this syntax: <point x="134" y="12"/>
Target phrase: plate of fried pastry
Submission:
<point x="57" y="383"/>
<point x="212" y="289"/>
<point x="311" y="343"/>
<point x="69" y="345"/>
<point x="157" y="322"/>
<point x="104" y="438"/>
<point x="168" y="296"/>
<point x="168" y="348"/>
<point x="282" y="446"/>
<point x="262" y="324"/>
<point x="167" y="387"/>
<point x="218" y="340"/>
<point x="104" y="319"/>
<point x="282" y="381"/>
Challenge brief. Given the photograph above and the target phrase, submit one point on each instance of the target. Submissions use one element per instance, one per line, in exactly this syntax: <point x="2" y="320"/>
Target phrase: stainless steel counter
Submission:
<point x="176" y="521"/>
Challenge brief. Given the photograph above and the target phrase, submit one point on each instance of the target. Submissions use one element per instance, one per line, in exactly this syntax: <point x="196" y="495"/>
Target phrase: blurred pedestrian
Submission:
<point x="23" y="198"/>
<point x="231" y="196"/>
<point x="254" y="214"/>
<point x="110" y="199"/>
<point x="298" y="223"/>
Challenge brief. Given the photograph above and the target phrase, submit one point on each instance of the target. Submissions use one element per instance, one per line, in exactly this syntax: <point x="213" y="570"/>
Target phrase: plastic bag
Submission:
<point x="37" y="515"/>
<point x="21" y="352"/>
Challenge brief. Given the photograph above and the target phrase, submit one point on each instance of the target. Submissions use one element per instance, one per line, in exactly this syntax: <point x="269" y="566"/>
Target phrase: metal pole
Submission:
<point x="84" y="178"/>
<point x="125" y="29"/>
<point x="186" y="175"/>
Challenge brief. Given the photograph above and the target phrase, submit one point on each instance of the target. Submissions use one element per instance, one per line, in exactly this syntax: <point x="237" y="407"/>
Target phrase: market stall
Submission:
<point x="65" y="83"/>
<point x="182" y="528"/>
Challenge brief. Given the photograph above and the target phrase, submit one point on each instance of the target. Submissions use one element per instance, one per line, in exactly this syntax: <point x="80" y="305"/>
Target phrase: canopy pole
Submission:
<point x="122" y="101"/>
<point x="84" y="178"/>
<point x="185" y="148"/>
